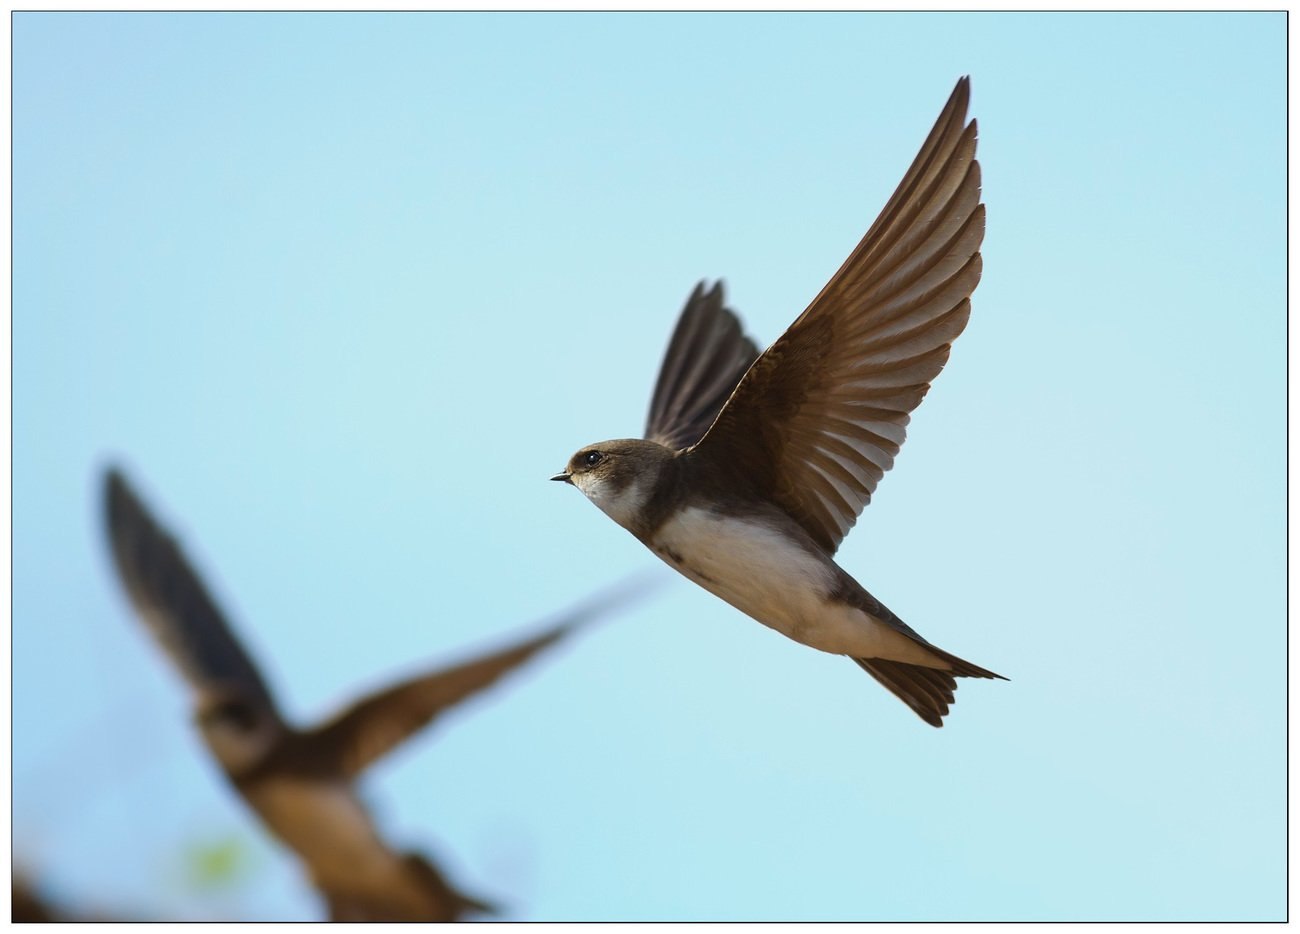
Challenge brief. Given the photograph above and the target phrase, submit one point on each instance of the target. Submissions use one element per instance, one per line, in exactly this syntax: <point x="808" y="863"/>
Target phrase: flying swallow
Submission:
<point x="755" y="466"/>
<point x="301" y="782"/>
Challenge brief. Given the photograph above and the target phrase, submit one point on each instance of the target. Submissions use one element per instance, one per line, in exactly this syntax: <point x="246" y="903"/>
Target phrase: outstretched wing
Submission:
<point x="175" y="605"/>
<point x="817" y="420"/>
<point x="706" y="358"/>
<point x="374" y="725"/>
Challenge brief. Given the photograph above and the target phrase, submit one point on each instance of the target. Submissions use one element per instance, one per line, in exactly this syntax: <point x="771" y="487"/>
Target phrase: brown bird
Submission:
<point x="301" y="782"/>
<point x="755" y="466"/>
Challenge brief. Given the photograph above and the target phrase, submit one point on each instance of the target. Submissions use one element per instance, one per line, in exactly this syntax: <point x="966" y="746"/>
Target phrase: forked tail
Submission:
<point x="928" y="691"/>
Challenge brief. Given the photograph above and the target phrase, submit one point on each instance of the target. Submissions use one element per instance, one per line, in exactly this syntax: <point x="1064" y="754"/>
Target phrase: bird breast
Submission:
<point x="770" y="571"/>
<point x="753" y="565"/>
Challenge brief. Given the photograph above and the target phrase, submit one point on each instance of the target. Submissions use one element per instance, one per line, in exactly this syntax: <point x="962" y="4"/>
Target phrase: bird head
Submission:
<point x="618" y="476"/>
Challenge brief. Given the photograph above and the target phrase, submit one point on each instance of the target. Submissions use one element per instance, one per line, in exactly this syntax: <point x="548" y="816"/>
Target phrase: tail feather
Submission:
<point x="417" y="892"/>
<point x="928" y="691"/>
<point x="962" y="668"/>
<point x="458" y="902"/>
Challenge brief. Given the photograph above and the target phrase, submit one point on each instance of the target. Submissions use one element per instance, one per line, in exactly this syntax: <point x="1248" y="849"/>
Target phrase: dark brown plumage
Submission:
<point x="705" y="359"/>
<point x="817" y="420"/>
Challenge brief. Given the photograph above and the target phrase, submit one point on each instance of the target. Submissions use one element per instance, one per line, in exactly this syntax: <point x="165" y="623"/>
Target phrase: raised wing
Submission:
<point x="817" y="420"/>
<point x="174" y="604"/>
<point x="376" y="724"/>
<point x="706" y="358"/>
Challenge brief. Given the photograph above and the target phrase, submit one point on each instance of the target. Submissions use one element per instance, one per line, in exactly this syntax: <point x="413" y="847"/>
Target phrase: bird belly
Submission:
<point x="769" y="575"/>
<point x="328" y="827"/>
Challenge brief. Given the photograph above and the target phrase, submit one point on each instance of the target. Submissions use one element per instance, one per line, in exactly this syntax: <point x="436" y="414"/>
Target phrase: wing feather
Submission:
<point x="706" y="357"/>
<point x="175" y="605"/>
<point x="374" y="725"/>
<point x="371" y="727"/>
<point x="818" y="419"/>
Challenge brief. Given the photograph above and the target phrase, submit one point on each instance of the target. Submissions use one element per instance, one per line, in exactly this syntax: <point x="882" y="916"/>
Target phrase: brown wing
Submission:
<point x="817" y="420"/>
<point x="376" y="724"/>
<point x="176" y="606"/>
<point x="706" y="357"/>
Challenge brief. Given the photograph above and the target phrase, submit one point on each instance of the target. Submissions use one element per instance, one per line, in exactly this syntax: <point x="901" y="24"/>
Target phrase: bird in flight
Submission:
<point x="301" y="783"/>
<point x="755" y="466"/>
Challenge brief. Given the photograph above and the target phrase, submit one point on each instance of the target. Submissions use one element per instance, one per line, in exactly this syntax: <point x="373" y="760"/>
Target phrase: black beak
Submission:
<point x="564" y="477"/>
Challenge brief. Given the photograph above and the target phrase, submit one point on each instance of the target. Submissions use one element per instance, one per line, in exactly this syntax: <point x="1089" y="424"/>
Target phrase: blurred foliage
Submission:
<point x="217" y="864"/>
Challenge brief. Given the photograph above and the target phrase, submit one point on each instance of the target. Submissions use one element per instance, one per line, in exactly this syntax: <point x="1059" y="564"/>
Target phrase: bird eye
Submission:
<point x="592" y="458"/>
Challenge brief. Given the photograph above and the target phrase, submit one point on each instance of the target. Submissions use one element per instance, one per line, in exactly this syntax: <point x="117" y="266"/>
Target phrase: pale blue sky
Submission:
<point x="341" y="292"/>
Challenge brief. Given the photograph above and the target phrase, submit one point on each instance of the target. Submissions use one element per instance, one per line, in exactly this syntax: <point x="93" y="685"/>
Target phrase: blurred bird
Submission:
<point x="27" y="905"/>
<point x="301" y="782"/>
<point x="757" y="465"/>
<point x="31" y="905"/>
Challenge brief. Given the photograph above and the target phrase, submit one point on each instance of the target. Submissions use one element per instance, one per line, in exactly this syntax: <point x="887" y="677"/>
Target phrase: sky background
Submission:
<point x="341" y="292"/>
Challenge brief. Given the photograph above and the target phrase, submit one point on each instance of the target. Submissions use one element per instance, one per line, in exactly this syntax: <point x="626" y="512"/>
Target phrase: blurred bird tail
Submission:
<point x="456" y="903"/>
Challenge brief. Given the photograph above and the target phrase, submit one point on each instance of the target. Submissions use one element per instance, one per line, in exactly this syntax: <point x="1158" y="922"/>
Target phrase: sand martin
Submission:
<point x="301" y="783"/>
<point x="755" y="466"/>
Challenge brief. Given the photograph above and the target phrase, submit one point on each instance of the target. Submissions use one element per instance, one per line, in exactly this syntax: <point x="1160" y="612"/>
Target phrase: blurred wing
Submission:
<point x="817" y="420"/>
<point x="376" y="724"/>
<point x="706" y="358"/>
<point x="172" y="601"/>
<point x="373" y="726"/>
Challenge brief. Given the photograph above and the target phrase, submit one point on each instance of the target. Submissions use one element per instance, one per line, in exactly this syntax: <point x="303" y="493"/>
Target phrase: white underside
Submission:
<point x="762" y="573"/>
<point x="623" y="506"/>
